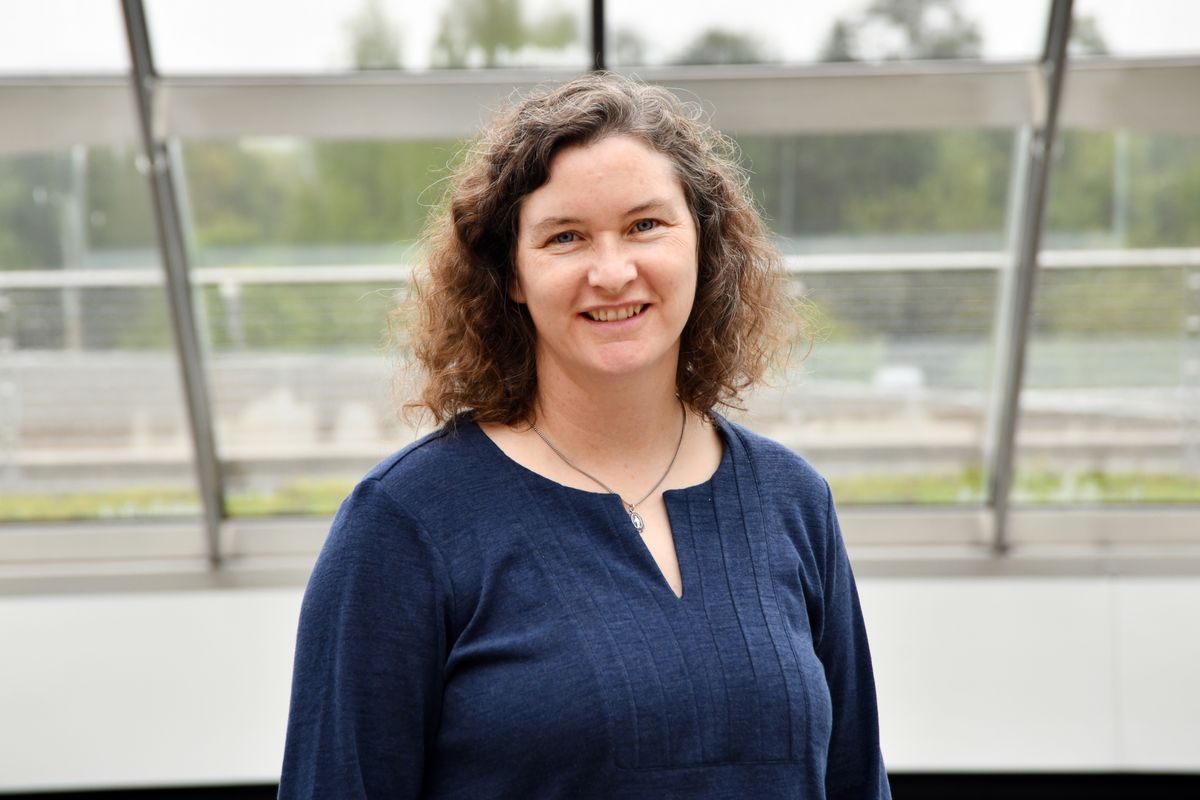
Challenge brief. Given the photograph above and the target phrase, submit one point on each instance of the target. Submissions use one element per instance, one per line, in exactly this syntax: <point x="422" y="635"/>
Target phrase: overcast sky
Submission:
<point x="311" y="35"/>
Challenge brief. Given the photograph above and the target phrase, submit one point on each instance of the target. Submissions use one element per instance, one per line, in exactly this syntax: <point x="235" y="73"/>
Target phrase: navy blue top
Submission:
<point x="475" y="630"/>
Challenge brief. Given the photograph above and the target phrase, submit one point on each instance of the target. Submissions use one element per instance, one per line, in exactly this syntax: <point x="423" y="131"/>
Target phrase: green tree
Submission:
<point x="488" y="33"/>
<point x="1086" y="37"/>
<point x="31" y="191"/>
<point x="239" y="194"/>
<point x="368" y="192"/>
<point x="118" y="201"/>
<point x="627" y="48"/>
<point x="374" y="43"/>
<point x="1164" y="191"/>
<point x="840" y="44"/>
<point x="717" y="46"/>
<point x="1082" y="194"/>
<point x="904" y="29"/>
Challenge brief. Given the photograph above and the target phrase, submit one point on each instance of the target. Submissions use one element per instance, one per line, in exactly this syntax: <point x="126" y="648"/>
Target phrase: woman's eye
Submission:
<point x="566" y="237"/>
<point x="643" y="225"/>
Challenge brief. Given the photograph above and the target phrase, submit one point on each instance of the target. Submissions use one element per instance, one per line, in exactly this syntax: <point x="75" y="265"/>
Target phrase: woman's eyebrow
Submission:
<point x="650" y="205"/>
<point x="550" y="223"/>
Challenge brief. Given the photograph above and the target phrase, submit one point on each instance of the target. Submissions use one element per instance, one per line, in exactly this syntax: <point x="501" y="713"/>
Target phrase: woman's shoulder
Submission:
<point x="430" y="465"/>
<point x="415" y="495"/>
<point x="794" y="497"/>
<point x="774" y="463"/>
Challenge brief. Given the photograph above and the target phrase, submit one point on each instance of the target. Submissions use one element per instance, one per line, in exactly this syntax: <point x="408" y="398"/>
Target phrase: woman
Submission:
<point x="587" y="583"/>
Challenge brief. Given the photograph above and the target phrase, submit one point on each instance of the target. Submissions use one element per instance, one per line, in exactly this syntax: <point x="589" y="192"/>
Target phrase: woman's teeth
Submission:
<point x="614" y="314"/>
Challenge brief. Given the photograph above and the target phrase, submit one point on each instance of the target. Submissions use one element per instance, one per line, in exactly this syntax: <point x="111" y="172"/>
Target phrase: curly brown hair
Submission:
<point x="476" y="346"/>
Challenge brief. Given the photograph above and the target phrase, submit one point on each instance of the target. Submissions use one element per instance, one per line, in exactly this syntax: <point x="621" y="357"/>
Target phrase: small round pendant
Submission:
<point x="639" y="524"/>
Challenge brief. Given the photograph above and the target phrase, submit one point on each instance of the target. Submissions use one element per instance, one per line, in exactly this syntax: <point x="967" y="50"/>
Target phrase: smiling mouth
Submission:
<point x="614" y="314"/>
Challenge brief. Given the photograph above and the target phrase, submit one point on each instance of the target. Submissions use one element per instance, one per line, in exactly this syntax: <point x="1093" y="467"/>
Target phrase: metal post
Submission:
<point x="73" y="235"/>
<point x="598" y="59"/>
<point x="178" y="283"/>
<point x="1016" y="300"/>
<point x="1190" y="369"/>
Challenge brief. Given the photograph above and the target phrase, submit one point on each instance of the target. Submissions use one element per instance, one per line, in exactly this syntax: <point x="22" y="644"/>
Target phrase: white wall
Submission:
<point x="1097" y="673"/>
<point x="983" y="673"/>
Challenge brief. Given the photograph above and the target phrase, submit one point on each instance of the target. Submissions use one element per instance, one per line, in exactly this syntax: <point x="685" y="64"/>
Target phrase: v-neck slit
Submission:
<point x="615" y="508"/>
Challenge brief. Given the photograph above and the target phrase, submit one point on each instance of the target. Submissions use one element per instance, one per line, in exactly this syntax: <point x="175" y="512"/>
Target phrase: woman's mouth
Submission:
<point x="615" y="314"/>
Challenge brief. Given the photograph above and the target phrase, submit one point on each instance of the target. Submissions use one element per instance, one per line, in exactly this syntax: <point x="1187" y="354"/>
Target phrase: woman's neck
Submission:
<point x="628" y="419"/>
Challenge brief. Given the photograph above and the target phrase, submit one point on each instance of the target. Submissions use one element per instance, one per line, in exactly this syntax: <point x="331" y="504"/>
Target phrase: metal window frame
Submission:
<point x="1101" y="94"/>
<point x="1031" y="178"/>
<point x="46" y="113"/>
<point x="174" y="257"/>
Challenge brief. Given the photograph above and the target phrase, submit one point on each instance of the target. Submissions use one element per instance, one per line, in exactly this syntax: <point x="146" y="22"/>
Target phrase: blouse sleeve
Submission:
<point x="855" y="768"/>
<point x="366" y="687"/>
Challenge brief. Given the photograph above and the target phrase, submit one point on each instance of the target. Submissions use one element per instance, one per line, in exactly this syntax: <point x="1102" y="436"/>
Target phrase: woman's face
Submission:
<point x="606" y="262"/>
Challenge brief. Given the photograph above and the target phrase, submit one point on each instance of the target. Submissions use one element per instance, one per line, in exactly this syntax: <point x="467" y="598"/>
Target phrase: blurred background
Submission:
<point x="991" y="211"/>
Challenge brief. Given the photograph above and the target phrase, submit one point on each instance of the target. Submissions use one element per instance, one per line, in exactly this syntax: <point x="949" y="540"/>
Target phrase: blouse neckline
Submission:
<point x="495" y="453"/>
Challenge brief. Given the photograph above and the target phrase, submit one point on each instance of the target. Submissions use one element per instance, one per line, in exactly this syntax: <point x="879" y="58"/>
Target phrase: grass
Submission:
<point x="321" y="497"/>
<point x="307" y="497"/>
<point x="1035" y="487"/>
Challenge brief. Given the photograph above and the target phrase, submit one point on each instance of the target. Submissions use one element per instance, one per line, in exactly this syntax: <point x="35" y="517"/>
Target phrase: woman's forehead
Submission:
<point x="621" y="170"/>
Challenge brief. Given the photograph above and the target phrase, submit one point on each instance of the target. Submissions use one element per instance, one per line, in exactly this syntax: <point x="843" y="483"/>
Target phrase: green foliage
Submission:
<point x="1122" y="189"/>
<point x="1130" y="303"/>
<point x="310" y="497"/>
<point x="121" y="216"/>
<point x="287" y="202"/>
<point x="489" y="33"/>
<point x="367" y="192"/>
<point x="898" y="304"/>
<point x="142" y="501"/>
<point x="128" y="319"/>
<point x="238" y="195"/>
<point x="1094" y="486"/>
<point x="954" y="182"/>
<point x="905" y="488"/>
<point x="840" y="45"/>
<point x="322" y="496"/>
<point x="1165" y="191"/>
<point x="717" y="46"/>
<point x="302" y="318"/>
<point x="1086" y="37"/>
<point x="31" y="188"/>
<point x="373" y="39"/>
<point x="915" y="29"/>
<point x="1040" y="486"/>
<point x="626" y="47"/>
<point x="1081" y="192"/>
<point x="959" y="186"/>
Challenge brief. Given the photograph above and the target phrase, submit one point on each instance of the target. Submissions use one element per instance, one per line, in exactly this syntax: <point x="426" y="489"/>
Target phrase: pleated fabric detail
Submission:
<point x="711" y="678"/>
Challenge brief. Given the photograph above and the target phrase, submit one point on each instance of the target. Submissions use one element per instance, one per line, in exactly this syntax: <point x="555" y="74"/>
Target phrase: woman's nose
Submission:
<point x="613" y="268"/>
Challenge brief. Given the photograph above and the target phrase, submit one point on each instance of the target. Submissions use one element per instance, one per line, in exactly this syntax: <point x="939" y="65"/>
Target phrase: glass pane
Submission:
<point x="91" y="413"/>
<point x="1117" y="189"/>
<point x="301" y="383"/>
<point x="64" y="36"/>
<point x="893" y="192"/>
<point x="271" y="36"/>
<point x="1111" y="409"/>
<point x="1109" y="412"/>
<point x="891" y="403"/>
<point x="78" y="209"/>
<point x="1144" y="28"/>
<point x="787" y="32"/>
<point x="301" y="391"/>
<point x="286" y="202"/>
